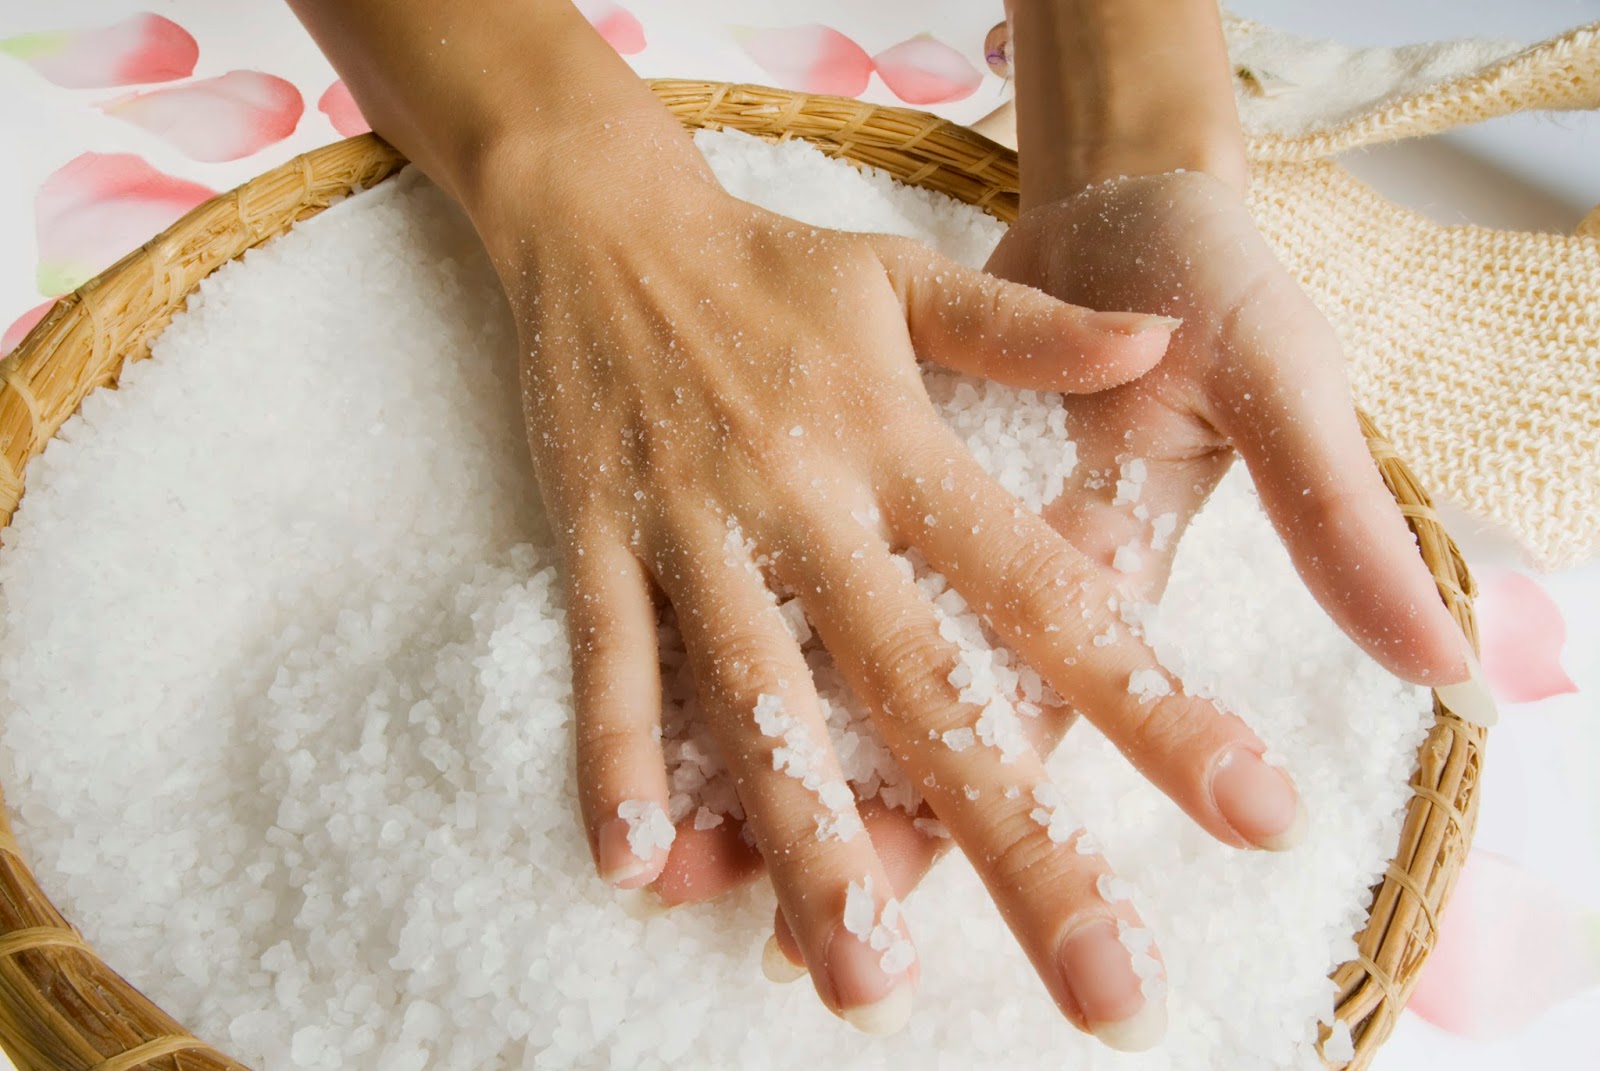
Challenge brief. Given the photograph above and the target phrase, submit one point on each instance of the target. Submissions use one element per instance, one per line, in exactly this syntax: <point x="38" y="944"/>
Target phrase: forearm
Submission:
<point x="1121" y="87"/>
<point x="497" y="101"/>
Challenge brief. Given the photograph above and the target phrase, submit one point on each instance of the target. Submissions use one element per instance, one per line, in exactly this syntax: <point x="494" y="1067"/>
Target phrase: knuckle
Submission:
<point x="1161" y="729"/>
<point x="743" y="663"/>
<point x="605" y="750"/>
<point x="1025" y="861"/>
<point x="896" y="246"/>
<point x="791" y="848"/>
<point x="1045" y="577"/>
<point x="912" y="663"/>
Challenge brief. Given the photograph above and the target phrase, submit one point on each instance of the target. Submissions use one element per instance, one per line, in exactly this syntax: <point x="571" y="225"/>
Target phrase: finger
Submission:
<point x="907" y="844"/>
<point x="984" y="781"/>
<point x="616" y="694"/>
<point x="705" y="863"/>
<point x="756" y="690"/>
<point x="1290" y="414"/>
<point x="1062" y="613"/>
<point x="975" y="323"/>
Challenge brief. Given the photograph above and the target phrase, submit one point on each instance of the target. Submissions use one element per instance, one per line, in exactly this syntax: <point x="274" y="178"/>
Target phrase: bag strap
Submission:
<point x="1560" y="74"/>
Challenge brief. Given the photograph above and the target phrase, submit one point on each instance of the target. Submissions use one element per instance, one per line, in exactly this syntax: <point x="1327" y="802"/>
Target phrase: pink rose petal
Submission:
<point x="22" y="325"/>
<point x="143" y="48"/>
<point x="925" y="70"/>
<point x="811" y="59"/>
<point x="1521" y="634"/>
<point x="1510" y="947"/>
<point x="340" y="108"/>
<point x="216" y="119"/>
<point x="616" y="24"/>
<point x="97" y="207"/>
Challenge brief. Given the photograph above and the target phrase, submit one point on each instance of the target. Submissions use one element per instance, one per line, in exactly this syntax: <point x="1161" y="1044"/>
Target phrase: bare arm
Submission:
<point x="499" y="101"/>
<point x="1113" y="87"/>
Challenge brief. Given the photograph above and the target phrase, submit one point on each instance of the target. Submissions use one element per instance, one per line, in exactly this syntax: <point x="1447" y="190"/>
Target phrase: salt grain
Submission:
<point x="265" y="612"/>
<point x="1340" y="1047"/>
<point x="649" y="829"/>
<point x="1149" y="685"/>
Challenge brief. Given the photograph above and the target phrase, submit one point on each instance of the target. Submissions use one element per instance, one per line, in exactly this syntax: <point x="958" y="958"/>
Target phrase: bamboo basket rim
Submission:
<point x="63" y="1009"/>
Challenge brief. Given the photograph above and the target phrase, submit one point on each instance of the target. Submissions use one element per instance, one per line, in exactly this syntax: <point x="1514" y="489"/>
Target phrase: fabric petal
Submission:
<point x="97" y="207"/>
<point x="810" y="59"/>
<point x="22" y="325"/>
<point x="1521" y="636"/>
<point x="340" y="108"/>
<point x="1510" y="947"/>
<point x="925" y="70"/>
<point x="140" y="49"/>
<point x="216" y="119"/>
<point x="616" y="24"/>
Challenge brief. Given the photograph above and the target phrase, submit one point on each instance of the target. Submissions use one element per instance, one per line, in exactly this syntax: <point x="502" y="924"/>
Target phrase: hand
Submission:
<point x="1254" y="364"/>
<point x="694" y="423"/>
<point x="1254" y="368"/>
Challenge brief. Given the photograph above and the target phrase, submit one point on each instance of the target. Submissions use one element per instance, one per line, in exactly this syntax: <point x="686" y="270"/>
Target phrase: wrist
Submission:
<point x="536" y="195"/>
<point x="1079" y="163"/>
<point x="1107" y="88"/>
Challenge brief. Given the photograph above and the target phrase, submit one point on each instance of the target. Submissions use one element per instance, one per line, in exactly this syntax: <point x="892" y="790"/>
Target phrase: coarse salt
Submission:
<point x="313" y="606"/>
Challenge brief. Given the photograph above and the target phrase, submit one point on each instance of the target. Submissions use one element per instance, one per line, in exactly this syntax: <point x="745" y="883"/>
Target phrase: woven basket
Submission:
<point x="63" y="1009"/>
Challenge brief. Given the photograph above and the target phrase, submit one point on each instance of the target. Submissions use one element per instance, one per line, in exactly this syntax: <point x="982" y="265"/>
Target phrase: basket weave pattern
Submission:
<point x="63" y="1009"/>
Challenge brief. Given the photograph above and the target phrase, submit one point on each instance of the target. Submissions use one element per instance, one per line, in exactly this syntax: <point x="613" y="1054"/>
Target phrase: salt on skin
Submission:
<point x="1149" y="685"/>
<point x="255" y="694"/>
<point x="649" y="829"/>
<point x="803" y="758"/>
<point x="878" y="928"/>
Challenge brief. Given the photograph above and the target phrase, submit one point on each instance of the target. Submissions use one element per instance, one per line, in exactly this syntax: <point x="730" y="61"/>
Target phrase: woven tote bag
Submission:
<point x="1477" y="350"/>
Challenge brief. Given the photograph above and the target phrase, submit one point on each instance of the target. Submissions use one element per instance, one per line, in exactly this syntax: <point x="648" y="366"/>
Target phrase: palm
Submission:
<point x="1183" y="245"/>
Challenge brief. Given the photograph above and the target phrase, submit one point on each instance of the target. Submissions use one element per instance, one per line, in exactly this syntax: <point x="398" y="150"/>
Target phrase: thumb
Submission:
<point x="972" y="322"/>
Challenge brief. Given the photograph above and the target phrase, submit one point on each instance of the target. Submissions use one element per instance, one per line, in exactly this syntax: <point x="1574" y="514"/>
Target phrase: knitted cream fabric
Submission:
<point x="1477" y="351"/>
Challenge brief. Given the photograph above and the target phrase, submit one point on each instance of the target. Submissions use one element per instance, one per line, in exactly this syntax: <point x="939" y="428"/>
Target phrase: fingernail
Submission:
<point x="777" y="966"/>
<point x="1470" y="700"/>
<point x="618" y="865"/>
<point x="869" y="999"/>
<point x="1258" y="800"/>
<point x="1130" y="323"/>
<point x="1098" y="972"/>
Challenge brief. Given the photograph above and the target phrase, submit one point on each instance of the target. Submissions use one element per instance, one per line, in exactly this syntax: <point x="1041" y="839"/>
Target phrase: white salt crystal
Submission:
<point x="1161" y="530"/>
<point x="649" y="828"/>
<point x="1127" y="559"/>
<point x="959" y="739"/>
<point x="859" y="908"/>
<point x="1340" y="1047"/>
<point x="1131" y="484"/>
<point x="900" y="956"/>
<point x="838" y="825"/>
<point x="1112" y="889"/>
<point x="1149" y="685"/>
<point x="705" y="818"/>
<point x="1054" y="814"/>
<point x="931" y="827"/>
<point x="770" y="716"/>
<point x="999" y="727"/>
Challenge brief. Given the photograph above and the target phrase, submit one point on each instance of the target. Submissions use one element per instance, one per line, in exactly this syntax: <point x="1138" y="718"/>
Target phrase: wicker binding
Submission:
<point x="63" y="1009"/>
